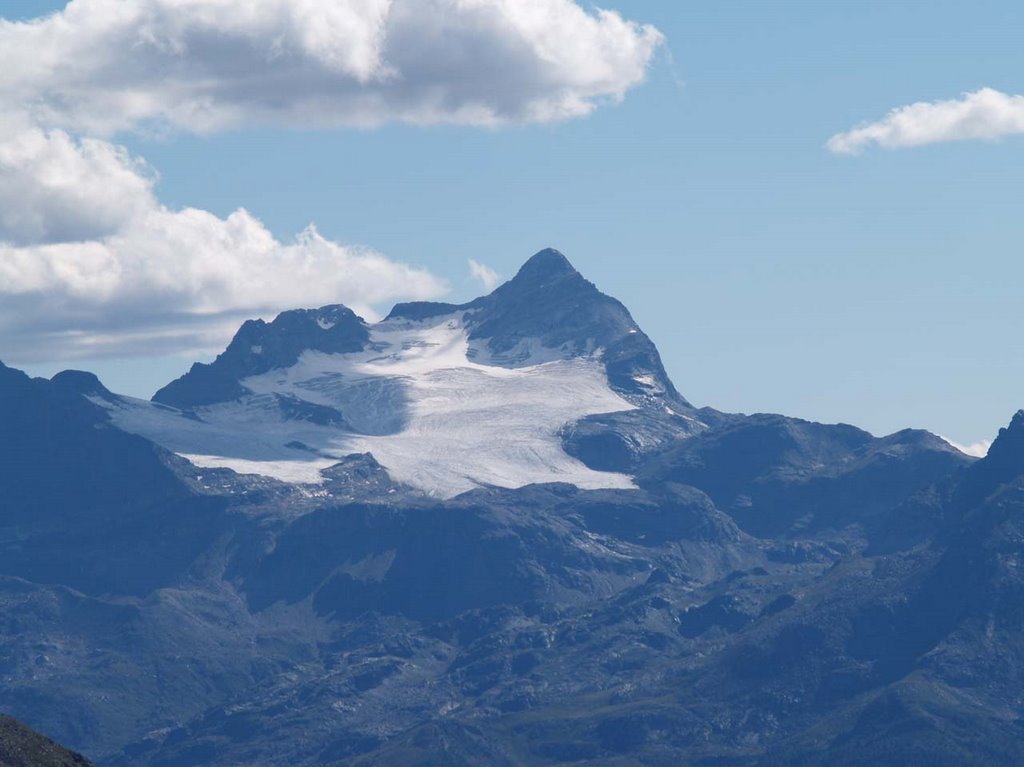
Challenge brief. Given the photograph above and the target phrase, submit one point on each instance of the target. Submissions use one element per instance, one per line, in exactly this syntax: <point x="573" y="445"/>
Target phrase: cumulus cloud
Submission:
<point x="487" y="277"/>
<point x="100" y="66"/>
<point x="977" y="449"/>
<point x="91" y="263"/>
<point x="54" y="188"/>
<point x="982" y="114"/>
<point x="183" y="279"/>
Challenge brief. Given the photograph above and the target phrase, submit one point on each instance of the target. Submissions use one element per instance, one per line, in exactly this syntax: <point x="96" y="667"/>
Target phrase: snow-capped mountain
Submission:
<point x="627" y="579"/>
<point x="446" y="398"/>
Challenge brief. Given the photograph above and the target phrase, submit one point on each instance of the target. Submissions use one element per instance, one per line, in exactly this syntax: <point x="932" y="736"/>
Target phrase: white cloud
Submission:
<point x="54" y="188"/>
<point x="100" y="66"/>
<point x="91" y="263"/>
<point x="978" y="449"/>
<point x="136" y="272"/>
<point x="982" y="114"/>
<point x="483" y="274"/>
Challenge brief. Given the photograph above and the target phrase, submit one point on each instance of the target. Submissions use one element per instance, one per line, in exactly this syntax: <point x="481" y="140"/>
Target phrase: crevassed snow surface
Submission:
<point x="433" y="417"/>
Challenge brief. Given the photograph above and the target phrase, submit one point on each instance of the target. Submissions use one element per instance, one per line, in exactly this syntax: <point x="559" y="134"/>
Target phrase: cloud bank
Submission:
<point x="101" y="267"/>
<point x="982" y="114"/>
<point x="101" y="66"/>
<point x="92" y="263"/>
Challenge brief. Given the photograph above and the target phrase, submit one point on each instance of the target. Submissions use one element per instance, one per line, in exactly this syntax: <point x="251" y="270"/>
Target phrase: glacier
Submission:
<point x="420" y="398"/>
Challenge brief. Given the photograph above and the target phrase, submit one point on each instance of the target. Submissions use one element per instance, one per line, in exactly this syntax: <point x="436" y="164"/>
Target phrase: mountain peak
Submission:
<point x="1004" y="463"/>
<point x="80" y="382"/>
<point x="1008" y="447"/>
<point x="547" y="310"/>
<point x="259" y="346"/>
<point x="543" y="266"/>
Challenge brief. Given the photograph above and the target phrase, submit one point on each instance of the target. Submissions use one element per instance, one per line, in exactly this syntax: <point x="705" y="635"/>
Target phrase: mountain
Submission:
<point x="550" y="311"/>
<point x="21" y="747"/>
<point x="940" y="637"/>
<point x="495" y="533"/>
<point x="259" y="347"/>
<point x="781" y="477"/>
<point x="75" y="488"/>
<point x="432" y="392"/>
<point x="547" y="312"/>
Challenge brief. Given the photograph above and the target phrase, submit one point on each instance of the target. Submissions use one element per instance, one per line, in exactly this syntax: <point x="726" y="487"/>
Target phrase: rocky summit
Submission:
<point x="495" y="534"/>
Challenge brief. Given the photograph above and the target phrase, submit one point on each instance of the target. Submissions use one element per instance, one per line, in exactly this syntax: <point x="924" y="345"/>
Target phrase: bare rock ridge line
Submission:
<point x="547" y="301"/>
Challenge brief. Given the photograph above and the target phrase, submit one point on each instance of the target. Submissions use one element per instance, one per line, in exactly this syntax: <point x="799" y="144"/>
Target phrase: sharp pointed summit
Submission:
<point x="1004" y="463"/>
<point x="550" y="306"/>
<point x="545" y="265"/>
<point x="1012" y="437"/>
<point x="539" y="272"/>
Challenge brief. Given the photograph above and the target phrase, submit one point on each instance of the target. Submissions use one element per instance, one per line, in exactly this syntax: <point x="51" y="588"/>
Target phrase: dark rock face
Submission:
<point x="21" y="747"/>
<point x="1004" y="462"/>
<point x="774" y="592"/>
<point x="550" y="301"/>
<point x="780" y="476"/>
<point x="86" y="505"/>
<point x="259" y="347"/>
<point x="551" y="304"/>
<point x="79" y="382"/>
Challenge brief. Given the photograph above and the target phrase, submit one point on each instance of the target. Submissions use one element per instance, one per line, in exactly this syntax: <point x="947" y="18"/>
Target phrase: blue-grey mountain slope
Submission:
<point x="494" y="533"/>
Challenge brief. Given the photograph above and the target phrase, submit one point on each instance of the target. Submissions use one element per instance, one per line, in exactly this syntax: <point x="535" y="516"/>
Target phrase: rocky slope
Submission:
<point x="21" y="747"/>
<point x="644" y="583"/>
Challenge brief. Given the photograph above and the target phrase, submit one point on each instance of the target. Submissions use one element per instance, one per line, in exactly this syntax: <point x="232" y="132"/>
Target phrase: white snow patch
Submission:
<point x="431" y="416"/>
<point x="325" y="324"/>
<point x="294" y="472"/>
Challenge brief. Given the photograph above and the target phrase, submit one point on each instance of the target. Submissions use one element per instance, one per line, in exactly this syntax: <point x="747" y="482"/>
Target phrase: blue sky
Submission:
<point x="880" y="289"/>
